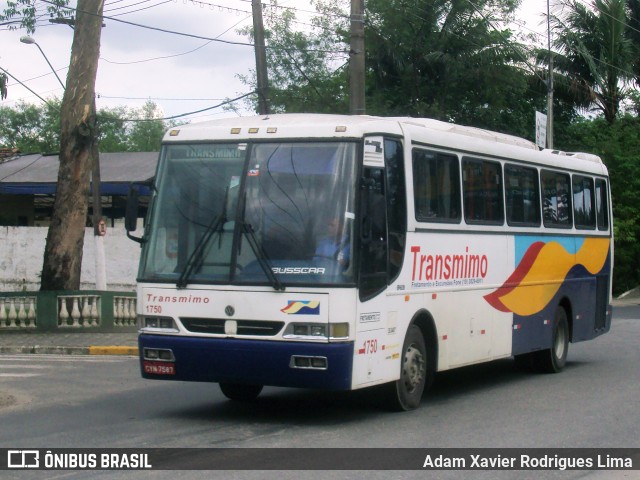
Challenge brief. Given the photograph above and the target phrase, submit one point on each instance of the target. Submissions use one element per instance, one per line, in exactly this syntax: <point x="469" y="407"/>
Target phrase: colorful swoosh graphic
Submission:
<point x="297" y="307"/>
<point x="541" y="272"/>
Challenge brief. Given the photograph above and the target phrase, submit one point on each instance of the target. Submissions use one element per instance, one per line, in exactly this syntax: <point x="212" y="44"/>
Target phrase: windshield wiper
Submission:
<point x="196" y="257"/>
<point x="261" y="256"/>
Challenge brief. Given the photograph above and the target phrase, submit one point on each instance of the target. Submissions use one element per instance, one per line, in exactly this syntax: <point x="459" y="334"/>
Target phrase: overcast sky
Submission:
<point x="178" y="73"/>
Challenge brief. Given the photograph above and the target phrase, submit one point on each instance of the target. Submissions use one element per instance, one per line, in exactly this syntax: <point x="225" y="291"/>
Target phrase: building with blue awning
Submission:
<point x="28" y="185"/>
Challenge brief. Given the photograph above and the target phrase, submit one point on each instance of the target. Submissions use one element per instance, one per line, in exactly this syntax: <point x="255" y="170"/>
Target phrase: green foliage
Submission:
<point x="28" y="12"/>
<point x="36" y="129"/>
<point x="619" y="147"/>
<point x="442" y="59"/>
<point x="597" y="54"/>
<point x="112" y="130"/>
<point x="31" y="128"/>
<point x="305" y="67"/>
<point x="146" y="132"/>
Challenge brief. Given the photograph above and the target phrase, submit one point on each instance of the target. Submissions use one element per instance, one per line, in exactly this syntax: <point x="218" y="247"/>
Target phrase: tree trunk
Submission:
<point x="63" y="250"/>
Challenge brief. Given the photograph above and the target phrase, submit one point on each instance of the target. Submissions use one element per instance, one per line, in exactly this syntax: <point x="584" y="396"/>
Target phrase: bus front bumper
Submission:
<point x="255" y="362"/>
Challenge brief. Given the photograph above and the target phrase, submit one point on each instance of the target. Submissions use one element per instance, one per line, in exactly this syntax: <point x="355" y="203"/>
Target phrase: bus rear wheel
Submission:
<point x="553" y="360"/>
<point x="240" y="392"/>
<point x="406" y="393"/>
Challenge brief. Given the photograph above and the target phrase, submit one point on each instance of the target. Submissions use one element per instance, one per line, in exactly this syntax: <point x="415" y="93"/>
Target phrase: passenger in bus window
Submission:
<point x="335" y="243"/>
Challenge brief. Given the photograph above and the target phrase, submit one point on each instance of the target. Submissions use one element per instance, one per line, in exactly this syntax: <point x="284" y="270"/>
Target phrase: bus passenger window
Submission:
<point x="583" y="202"/>
<point x="602" y="206"/>
<point x="556" y="201"/>
<point x="482" y="192"/>
<point x="436" y="183"/>
<point x="522" y="195"/>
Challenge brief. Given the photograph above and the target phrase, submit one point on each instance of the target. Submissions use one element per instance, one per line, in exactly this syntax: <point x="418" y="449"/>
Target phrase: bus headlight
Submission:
<point x="158" y="323"/>
<point x="317" y="330"/>
<point x="306" y="330"/>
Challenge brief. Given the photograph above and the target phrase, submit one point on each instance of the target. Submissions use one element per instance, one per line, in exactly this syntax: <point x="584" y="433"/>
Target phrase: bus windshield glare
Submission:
<point x="253" y="214"/>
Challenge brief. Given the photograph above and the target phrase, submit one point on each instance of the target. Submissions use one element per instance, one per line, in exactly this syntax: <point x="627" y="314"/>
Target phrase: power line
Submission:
<point x="26" y="87"/>
<point x="177" y="54"/>
<point x="226" y="102"/>
<point x="140" y="9"/>
<point x="190" y="35"/>
<point x="161" y="99"/>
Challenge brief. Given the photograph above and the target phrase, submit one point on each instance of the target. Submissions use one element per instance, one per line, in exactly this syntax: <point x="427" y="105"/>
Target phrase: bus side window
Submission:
<point x="396" y="205"/>
<point x="522" y="195"/>
<point x="556" y="199"/>
<point x="583" y="202"/>
<point x="436" y="182"/>
<point x="602" y="205"/>
<point x="482" y="191"/>
<point x="373" y="233"/>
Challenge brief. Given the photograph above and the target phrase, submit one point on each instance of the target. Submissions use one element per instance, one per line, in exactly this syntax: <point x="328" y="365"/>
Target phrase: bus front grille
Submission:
<point x="245" y="327"/>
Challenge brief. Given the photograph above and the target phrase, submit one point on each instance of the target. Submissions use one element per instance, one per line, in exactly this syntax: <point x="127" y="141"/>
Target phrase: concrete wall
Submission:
<point x="22" y="250"/>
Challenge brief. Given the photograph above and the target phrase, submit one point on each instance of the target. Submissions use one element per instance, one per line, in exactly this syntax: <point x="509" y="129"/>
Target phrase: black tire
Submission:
<point x="524" y="362"/>
<point x="553" y="360"/>
<point x="240" y="392"/>
<point x="406" y="393"/>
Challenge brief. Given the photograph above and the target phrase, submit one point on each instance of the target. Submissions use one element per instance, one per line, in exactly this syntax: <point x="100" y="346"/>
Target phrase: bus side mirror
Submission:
<point x="131" y="212"/>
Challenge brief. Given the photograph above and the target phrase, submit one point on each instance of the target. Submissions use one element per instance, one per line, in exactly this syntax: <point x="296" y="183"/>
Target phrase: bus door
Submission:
<point x="383" y="216"/>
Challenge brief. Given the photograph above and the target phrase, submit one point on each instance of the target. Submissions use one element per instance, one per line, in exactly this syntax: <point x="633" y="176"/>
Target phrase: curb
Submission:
<point x="113" y="350"/>
<point x="53" y="350"/>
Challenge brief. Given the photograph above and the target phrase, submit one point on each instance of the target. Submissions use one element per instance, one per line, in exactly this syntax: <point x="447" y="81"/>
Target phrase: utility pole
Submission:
<point x="549" y="83"/>
<point x="356" y="62"/>
<point x="261" y="58"/>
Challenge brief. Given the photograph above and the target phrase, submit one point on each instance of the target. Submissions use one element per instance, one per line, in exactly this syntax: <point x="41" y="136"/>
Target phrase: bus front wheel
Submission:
<point x="553" y="360"/>
<point x="240" y="392"/>
<point x="406" y="393"/>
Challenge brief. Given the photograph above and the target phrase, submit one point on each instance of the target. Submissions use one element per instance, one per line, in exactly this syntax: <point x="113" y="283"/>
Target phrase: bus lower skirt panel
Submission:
<point x="255" y="362"/>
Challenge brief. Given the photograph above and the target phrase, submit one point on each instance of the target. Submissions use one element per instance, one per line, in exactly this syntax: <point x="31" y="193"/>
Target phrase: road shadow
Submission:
<point x="286" y="406"/>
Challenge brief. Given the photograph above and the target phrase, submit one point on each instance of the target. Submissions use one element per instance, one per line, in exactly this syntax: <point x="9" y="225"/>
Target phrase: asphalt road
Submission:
<point x="71" y="402"/>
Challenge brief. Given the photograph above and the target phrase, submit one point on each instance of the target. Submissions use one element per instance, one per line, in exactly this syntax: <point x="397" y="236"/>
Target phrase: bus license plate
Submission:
<point x="159" y="368"/>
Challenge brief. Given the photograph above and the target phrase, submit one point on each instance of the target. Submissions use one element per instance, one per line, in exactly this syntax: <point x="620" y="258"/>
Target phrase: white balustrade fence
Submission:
<point x="50" y="311"/>
<point x="79" y="311"/>
<point x="124" y="311"/>
<point x="17" y="313"/>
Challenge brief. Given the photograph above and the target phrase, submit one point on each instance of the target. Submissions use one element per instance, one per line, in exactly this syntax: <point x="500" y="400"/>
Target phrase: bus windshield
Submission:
<point x="254" y="214"/>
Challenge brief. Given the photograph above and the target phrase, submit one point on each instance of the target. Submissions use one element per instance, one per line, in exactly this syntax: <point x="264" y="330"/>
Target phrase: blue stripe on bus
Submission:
<point x="535" y="332"/>
<point x="523" y="242"/>
<point x="252" y="361"/>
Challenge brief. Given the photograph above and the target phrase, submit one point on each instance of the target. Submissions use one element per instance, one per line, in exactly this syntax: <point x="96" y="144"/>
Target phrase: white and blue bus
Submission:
<point x="343" y="252"/>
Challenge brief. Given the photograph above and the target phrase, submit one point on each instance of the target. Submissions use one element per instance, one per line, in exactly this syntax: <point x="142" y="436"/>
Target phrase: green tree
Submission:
<point x="112" y="129"/>
<point x="148" y="128"/>
<point x="442" y="59"/>
<point x="596" y="55"/>
<point x="36" y="128"/>
<point x="306" y="66"/>
<point x="65" y="238"/>
<point x="619" y="146"/>
<point x="31" y="128"/>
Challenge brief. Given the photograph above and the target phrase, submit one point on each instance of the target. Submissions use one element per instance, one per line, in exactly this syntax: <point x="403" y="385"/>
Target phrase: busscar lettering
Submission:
<point x="298" y="270"/>
<point x="152" y="298"/>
